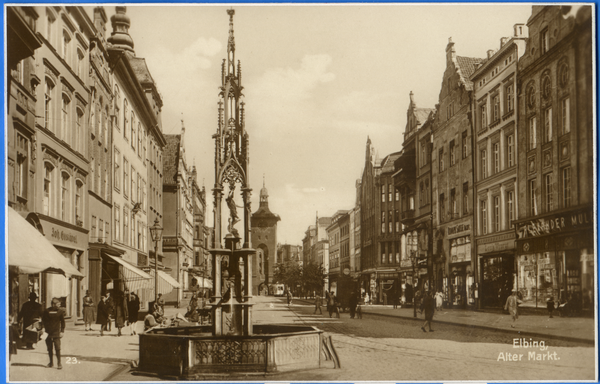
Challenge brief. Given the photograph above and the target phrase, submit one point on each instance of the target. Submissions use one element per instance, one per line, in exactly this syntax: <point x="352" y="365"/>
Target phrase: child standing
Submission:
<point x="550" y="305"/>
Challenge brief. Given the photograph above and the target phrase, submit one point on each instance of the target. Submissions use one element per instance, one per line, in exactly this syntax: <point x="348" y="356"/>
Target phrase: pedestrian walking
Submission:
<point x="53" y="319"/>
<point x="161" y="303"/>
<point x="133" y="309"/>
<point x="396" y="300"/>
<point x="120" y="311"/>
<point x="439" y="299"/>
<point x="353" y="301"/>
<point x="89" y="311"/>
<point x="30" y="315"/>
<point x="428" y="306"/>
<point x="550" y="304"/>
<point x="102" y="316"/>
<point x="512" y="306"/>
<point x="110" y="303"/>
<point x="289" y="297"/>
<point x="318" y="304"/>
<point x="331" y="304"/>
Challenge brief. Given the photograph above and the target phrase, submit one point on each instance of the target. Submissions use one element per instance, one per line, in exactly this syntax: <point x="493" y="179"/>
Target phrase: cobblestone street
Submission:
<point x="387" y="349"/>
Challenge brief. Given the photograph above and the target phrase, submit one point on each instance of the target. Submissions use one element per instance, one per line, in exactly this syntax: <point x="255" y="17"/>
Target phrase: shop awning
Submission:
<point x="166" y="283"/>
<point x="133" y="277"/>
<point x="31" y="252"/>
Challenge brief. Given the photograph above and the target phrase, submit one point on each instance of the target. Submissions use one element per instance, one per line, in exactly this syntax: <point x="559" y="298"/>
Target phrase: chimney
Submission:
<point x="519" y="30"/>
<point x="503" y="41"/>
<point x="490" y="53"/>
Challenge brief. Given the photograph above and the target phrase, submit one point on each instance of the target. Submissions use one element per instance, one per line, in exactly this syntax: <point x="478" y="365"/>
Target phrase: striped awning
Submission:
<point x="166" y="283"/>
<point x="134" y="278"/>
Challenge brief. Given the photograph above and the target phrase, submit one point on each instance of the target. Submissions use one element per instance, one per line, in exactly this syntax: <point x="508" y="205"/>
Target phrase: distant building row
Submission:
<point x="493" y="188"/>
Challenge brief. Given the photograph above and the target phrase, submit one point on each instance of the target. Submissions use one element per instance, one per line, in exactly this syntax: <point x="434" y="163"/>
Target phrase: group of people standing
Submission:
<point x="121" y="307"/>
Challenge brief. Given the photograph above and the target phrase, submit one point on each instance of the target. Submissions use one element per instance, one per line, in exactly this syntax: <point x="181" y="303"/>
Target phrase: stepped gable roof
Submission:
<point x="422" y="114"/>
<point x="466" y="67"/>
<point x="171" y="159"/>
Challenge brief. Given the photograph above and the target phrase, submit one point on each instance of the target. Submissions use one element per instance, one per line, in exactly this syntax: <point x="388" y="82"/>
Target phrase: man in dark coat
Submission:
<point x="110" y="303"/>
<point x="54" y="324"/>
<point x="352" y="302"/>
<point x="30" y="314"/>
<point x="102" y="315"/>
<point x="133" y="309"/>
<point x="120" y="311"/>
<point x="428" y="306"/>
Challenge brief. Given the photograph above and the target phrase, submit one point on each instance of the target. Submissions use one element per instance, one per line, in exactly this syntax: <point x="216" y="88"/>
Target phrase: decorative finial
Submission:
<point x="263" y="180"/>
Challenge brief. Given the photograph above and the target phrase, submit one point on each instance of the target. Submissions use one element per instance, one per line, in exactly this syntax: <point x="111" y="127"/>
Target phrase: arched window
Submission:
<point x="79" y="203"/>
<point x="66" y="106"/>
<point x="48" y="178"/>
<point x="65" y="191"/>
<point x="48" y="104"/>
<point x="79" y="131"/>
<point x="66" y="47"/>
<point x="125" y="119"/>
<point x="133" y="143"/>
<point x="80" y="63"/>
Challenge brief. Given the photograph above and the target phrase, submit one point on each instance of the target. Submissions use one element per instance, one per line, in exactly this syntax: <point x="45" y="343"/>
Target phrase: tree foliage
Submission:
<point x="310" y="276"/>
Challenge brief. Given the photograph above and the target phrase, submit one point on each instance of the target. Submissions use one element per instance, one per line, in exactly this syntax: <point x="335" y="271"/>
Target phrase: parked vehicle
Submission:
<point x="276" y="289"/>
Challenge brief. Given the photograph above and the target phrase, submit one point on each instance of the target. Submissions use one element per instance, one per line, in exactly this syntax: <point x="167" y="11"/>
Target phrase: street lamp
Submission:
<point x="413" y="261"/>
<point x="156" y="234"/>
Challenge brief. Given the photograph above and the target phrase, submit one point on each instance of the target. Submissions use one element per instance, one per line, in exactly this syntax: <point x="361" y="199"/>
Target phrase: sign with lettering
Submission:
<point x="62" y="235"/>
<point x="458" y="228"/>
<point x="555" y="224"/>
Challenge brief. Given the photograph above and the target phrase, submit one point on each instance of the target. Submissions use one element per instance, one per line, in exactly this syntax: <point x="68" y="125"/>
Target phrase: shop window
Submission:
<point x="537" y="279"/>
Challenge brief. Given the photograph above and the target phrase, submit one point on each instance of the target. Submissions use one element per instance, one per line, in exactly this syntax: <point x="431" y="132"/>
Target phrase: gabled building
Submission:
<point x="178" y="233"/>
<point x="368" y="223"/>
<point x="494" y="109"/>
<point x="412" y="179"/>
<point x="337" y="230"/>
<point x="555" y="247"/>
<point x="452" y="182"/>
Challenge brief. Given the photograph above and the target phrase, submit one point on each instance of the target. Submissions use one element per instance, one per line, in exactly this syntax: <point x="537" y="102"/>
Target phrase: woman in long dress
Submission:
<point x="102" y="315"/>
<point x="89" y="312"/>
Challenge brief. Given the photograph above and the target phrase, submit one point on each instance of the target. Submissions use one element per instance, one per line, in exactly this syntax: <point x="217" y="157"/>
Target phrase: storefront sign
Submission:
<point x="459" y="228"/>
<point x="495" y="247"/>
<point x="58" y="234"/>
<point x="555" y="224"/>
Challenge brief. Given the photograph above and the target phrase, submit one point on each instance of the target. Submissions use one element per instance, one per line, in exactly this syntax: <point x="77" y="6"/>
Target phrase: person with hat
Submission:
<point x="512" y="306"/>
<point x="89" y="311"/>
<point x="54" y="324"/>
<point x="428" y="306"/>
<point x="30" y="315"/>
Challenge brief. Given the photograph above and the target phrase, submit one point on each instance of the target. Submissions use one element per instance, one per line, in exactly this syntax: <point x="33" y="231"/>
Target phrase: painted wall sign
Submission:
<point x="554" y="224"/>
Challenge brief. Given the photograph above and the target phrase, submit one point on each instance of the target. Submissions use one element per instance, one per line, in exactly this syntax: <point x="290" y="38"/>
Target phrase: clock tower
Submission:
<point x="264" y="240"/>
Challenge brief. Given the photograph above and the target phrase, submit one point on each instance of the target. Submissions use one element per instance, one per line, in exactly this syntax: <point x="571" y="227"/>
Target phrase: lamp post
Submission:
<point x="156" y="234"/>
<point x="413" y="261"/>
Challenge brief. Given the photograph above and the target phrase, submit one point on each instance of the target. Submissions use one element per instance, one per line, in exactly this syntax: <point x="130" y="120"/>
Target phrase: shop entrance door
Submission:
<point x="496" y="280"/>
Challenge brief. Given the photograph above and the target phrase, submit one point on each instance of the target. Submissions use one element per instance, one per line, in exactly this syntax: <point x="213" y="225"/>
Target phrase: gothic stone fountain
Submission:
<point x="231" y="345"/>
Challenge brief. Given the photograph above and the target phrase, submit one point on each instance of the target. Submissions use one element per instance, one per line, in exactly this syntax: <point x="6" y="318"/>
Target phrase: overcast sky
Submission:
<point x="318" y="80"/>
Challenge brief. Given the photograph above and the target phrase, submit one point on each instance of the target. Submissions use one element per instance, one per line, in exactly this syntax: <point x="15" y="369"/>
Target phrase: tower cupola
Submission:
<point x="120" y="35"/>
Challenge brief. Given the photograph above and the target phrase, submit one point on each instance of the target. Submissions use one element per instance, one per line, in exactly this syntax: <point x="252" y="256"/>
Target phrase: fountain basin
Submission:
<point x="192" y="351"/>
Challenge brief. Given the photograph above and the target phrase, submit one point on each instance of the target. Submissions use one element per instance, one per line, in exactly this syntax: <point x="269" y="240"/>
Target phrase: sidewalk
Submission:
<point x="85" y="356"/>
<point x="577" y="329"/>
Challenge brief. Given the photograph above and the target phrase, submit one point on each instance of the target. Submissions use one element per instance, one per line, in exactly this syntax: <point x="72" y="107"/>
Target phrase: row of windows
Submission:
<point x="499" y="216"/>
<point x="72" y="54"/>
<point x="392" y="255"/>
<point x="453" y="212"/>
<point x="134" y="187"/>
<point x="548" y="131"/>
<point x="503" y="156"/>
<point x="131" y="232"/>
<point x="69" y="127"/>
<point x="133" y="131"/>
<point x="62" y="195"/>
<point x="547" y="194"/>
<point x="498" y="109"/>
<point x="390" y="193"/>
<point x="452" y="152"/>
<point x="392" y="222"/>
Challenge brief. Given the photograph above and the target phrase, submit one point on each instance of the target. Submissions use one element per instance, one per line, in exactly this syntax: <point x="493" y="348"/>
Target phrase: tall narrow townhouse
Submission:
<point x="355" y="243"/>
<point x="21" y="82"/>
<point x="200" y="269"/>
<point x="321" y="246"/>
<point x="452" y="180"/>
<point x="389" y="232"/>
<point x="555" y="227"/>
<point x="412" y="179"/>
<point x="334" y="235"/>
<point x="137" y="173"/>
<point x="60" y="148"/>
<point x="495" y="135"/>
<point x="368" y="223"/>
<point x="178" y="236"/>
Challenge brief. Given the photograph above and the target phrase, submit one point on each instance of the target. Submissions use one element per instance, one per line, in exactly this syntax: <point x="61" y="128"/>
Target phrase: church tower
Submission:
<point x="264" y="240"/>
